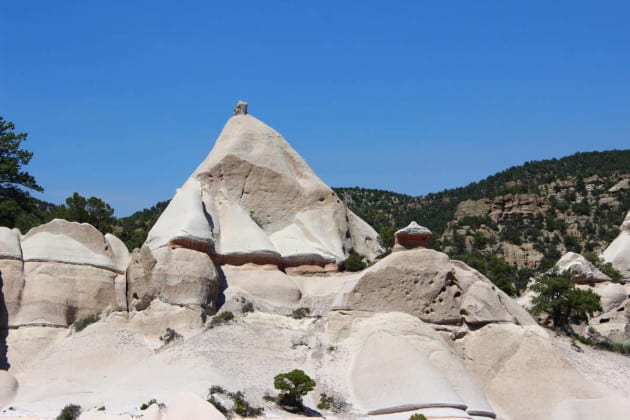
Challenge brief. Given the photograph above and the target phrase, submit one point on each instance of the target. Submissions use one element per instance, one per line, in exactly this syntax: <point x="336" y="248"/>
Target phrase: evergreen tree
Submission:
<point x="14" y="180"/>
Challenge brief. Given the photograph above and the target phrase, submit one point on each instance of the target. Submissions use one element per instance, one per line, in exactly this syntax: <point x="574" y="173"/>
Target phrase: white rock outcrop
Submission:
<point x="59" y="272"/>
<point x="11" y="274"/>
<point x="178" y="276"/>
<point x="618" y="252"/>
<point x="255" y="200"/>
<point x="582" y="270"/>
<point x="427" y="284"/>
<point x="395" y="371"/>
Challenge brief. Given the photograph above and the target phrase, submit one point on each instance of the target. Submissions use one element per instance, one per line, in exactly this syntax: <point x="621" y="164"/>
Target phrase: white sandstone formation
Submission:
<point x="419" y="371"/>
<point x="414" y="333"/>
<point x="255" y="200"/>
<point x="8" y="388"/>
<point x="11" y="274"/>
<point x="618" y="252"/>
<point x="582" y="270"/>
<point x="59" y="272"/>
<point x="179" y="276"/>
<point x="426" y="284"/>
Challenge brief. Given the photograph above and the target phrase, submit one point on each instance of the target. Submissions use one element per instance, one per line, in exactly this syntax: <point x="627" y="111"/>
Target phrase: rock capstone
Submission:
<point x="412" y="236"/>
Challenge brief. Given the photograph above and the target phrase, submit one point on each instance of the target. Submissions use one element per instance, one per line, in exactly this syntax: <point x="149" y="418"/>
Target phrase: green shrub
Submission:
<point x="247" y="307"/>
<point x="417" y="417"/>
<point x="216" y="389"/>
<point x="329" y="402"/>
<point x="170" y="335"/>
<point x="82" y="323"/>
<point x="293" y="386"/>
<point x="354" y="262"/>
<point x="69" y="412"/>
<point x="147" y="404"/>
<point x="220" y="319"/>
<point x="239" y="405"/>
<point x="217" y="404"/>
<point x="243" y="408"/>
<point x="300" y="313"/>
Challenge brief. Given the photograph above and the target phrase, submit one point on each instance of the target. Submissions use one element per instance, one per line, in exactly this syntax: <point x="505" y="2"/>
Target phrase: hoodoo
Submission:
<point x="255" y="200"/>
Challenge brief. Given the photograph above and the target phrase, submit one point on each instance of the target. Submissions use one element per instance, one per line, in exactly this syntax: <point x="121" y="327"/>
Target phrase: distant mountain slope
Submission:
<point x="528" y="214"/>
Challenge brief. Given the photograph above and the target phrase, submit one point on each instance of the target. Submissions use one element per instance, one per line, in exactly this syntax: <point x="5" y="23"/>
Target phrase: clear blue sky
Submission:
<point x="122" y="99"/>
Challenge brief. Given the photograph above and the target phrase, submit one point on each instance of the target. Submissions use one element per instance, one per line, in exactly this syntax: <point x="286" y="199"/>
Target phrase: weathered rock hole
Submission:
<point x="604" y="320"/>
<point x="135" y="296"/>
<point x="440" y="300"/>
<point x="443" y="290"/>
<point x="621" y="309"/>
<point x="457" y="294"/>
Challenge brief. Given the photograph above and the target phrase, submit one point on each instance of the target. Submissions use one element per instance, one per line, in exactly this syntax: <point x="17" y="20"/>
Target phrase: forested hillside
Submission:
<point x="517" y="221"/>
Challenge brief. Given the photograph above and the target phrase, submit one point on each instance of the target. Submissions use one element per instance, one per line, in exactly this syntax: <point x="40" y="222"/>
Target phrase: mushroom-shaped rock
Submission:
<point x="582" y="270"/>
<point x="412" y="236"/>
<point x="618" y="252"/>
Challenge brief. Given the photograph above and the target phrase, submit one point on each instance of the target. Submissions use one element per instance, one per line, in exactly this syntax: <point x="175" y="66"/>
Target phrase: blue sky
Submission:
<point x="123" y="99"/>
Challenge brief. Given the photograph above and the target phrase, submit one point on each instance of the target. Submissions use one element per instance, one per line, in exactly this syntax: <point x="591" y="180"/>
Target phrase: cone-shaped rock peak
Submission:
<point x="255" y="200"/>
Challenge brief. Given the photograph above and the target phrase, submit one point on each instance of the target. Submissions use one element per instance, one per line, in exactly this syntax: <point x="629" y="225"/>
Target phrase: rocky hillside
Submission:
<point x="529" y="215"/>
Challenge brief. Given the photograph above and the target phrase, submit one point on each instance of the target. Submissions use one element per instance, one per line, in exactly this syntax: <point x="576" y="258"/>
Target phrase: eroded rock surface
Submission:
<point x="59" y="272"/>
<point x="255" y="200"/>
<point x="618" y="252"/>
<point x="426" y="284"/>
<point x="582" y="270"/>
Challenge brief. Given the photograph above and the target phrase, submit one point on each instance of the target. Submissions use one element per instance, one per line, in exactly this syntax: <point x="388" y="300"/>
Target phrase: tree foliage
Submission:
<point x="565" y="304"/>
<point x="69" y="412"/>
<point x="14" y="180"/>
<point x="293" y="386"/>
<point x="354" y="262"/>
<point x="91" y="210"/>
<point x="497" y="269"/>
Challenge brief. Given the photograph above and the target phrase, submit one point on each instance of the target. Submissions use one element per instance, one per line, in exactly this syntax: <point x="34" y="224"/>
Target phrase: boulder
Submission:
<point x="402" y="365"/>
<point x="582" y="270"/>
<point x="525" y="375"/>
<point x="255" y="200"/>
<point x="427" y="284"/>
<point x="618" y="252"/>
<point x="611" y="294"/>
<point x="178" y="276"/>
<point x="412" y="236"/>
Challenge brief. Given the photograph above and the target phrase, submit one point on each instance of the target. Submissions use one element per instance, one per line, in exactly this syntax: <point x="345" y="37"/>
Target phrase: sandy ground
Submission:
<point x="610" y="371"/>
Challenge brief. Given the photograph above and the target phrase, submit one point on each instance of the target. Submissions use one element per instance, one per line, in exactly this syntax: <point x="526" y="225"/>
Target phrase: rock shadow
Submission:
<point x="4" y="329"/>
<point x="220" y="301"/>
